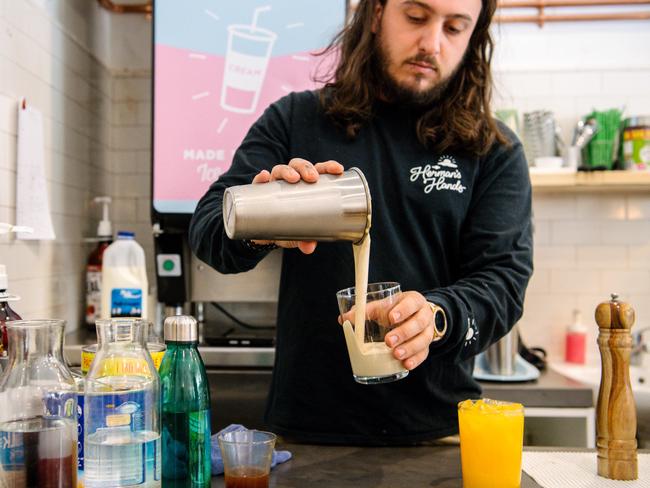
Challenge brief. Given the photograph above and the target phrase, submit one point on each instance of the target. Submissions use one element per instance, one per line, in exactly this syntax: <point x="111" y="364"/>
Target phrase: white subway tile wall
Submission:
<point x="587" y="246"/>
<point x="131" y="158"/>
<point x="98" y="122"/>
<point x="46" y="57"/>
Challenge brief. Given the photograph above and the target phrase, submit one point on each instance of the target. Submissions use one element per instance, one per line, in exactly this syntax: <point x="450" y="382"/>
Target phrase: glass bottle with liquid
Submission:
<point x="185" y="407"/>
<point x="38" y="409"/>
<point x="122" y="409"/>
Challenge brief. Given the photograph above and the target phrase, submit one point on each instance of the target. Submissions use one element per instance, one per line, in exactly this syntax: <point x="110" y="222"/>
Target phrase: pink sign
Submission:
<point x="205" y="103"/>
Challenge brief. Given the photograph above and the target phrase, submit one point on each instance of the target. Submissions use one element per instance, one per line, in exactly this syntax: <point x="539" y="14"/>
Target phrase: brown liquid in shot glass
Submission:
<point x="247" y="477"/>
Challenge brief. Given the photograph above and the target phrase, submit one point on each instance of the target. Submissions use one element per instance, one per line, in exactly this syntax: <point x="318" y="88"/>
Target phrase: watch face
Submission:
<point x="439" y="322"/>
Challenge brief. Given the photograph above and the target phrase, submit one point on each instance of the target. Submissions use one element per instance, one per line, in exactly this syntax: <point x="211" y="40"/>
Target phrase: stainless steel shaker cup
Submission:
<point x="335" y="208"/>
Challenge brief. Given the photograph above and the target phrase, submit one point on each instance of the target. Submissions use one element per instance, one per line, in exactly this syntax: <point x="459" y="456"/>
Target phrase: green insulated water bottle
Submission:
<point x="185" y="407"/>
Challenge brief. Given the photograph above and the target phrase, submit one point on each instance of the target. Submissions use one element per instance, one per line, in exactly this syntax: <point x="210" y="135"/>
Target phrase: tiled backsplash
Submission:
<point x="131" y="156"/>
<point x="571" y="95"/>
<point x="45" y="56"/>
<point x="587" y="245"/>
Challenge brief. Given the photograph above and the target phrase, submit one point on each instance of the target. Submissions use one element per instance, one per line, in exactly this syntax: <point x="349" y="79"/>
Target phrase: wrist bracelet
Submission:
<point x="258" y="247"/>
<point x="437" y="333"/>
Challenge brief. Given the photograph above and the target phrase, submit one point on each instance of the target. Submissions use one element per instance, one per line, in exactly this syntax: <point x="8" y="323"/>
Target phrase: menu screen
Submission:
<point x="217" y="66"/>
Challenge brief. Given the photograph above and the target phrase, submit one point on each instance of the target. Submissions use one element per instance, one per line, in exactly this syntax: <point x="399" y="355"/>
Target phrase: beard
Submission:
<point x="394" y="91"/>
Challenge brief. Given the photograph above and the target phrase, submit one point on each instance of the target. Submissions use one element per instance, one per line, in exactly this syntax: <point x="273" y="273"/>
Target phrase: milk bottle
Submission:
<point x="124" y="279"/>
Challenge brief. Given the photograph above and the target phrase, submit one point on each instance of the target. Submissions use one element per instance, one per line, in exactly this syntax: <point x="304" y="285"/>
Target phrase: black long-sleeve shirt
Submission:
<point x="454" y="227"/>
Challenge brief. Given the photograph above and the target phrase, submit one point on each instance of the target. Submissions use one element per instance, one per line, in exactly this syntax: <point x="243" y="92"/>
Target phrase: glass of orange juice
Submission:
<point x="491" y="442"/>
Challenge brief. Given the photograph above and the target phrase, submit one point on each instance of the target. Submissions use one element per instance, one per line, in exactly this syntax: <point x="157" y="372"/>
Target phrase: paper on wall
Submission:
<point x="32" y="206"/>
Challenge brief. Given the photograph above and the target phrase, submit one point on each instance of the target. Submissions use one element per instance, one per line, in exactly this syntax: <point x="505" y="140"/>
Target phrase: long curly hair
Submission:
<point x="460" y="119"/>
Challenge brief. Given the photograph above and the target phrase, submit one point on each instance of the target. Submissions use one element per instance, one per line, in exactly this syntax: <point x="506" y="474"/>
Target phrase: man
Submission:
<point x="409" y="105"/>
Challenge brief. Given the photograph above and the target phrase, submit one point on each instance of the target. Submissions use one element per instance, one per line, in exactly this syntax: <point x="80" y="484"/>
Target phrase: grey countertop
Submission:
<point x="370" y="467"/>
<point x="551" y="390"/>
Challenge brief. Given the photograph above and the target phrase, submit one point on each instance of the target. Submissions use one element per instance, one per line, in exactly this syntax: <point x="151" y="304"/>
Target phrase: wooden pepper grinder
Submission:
<point x="616" y="411"/>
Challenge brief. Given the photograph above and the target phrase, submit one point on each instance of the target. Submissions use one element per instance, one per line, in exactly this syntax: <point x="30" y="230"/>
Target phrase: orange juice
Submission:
<point x="491" y="442"/>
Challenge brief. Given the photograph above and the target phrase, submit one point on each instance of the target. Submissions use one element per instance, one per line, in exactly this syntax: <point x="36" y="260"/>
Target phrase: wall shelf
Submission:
<point x="536" y="11"/>
<point x="592" y="181"/>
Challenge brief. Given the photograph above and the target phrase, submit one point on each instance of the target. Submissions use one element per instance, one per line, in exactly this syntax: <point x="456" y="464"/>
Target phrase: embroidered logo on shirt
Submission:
<point x="472" y="332"/>
<point x="444" y="175"/>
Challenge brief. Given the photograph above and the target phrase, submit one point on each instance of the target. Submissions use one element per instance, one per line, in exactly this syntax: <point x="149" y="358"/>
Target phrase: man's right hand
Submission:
<point x="297" y="169"/>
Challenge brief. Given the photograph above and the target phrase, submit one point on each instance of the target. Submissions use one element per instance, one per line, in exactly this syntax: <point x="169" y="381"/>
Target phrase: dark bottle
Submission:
<point x="185" y="396"/>
<point x="94" y="266"/>
<point x="94" y="283"/>
<point x="6" y="312"/>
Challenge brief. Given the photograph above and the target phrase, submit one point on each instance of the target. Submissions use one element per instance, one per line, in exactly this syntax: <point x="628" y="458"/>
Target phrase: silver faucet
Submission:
<point x="639" y="346"/>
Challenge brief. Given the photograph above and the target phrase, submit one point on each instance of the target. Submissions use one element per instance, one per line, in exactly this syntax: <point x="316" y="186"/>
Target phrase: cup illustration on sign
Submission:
<point x="247" y="57"/>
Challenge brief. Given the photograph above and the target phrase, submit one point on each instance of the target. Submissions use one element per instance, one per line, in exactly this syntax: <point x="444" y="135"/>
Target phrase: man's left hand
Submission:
<point x="410" y="340"/>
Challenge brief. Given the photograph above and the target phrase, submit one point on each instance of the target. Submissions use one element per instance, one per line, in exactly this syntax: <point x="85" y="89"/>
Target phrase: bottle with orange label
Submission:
<point x="491" y="443"/>
<point x="122" y="409"/>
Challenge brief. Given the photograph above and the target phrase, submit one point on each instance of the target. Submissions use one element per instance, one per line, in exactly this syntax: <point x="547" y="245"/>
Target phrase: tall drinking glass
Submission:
<point x="491" y="442"/>
<point x="372" y="361"/>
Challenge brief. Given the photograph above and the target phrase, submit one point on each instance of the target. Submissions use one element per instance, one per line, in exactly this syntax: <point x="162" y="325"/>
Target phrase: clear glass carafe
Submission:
<point x="38" y="409"/>
<point x="122" y="409"/>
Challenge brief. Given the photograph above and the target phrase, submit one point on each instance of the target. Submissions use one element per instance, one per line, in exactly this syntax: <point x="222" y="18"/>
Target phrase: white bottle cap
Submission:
<point x="577" y="326"/>
<point x="4" y="280"/>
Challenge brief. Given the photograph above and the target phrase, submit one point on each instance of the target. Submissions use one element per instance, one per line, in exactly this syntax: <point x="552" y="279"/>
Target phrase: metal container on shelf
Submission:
<point x="635" y="136"/>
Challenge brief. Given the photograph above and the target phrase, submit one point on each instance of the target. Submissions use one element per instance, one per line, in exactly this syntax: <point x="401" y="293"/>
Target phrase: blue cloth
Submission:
<point x="216" y="461"/>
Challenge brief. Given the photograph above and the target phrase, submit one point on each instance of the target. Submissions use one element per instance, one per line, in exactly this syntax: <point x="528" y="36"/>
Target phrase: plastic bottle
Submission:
<point x="185" y="407"/>
<point x="6" y="312"/>
<point x="122" y="409"/>
<point x="94" y="265"/>
<point x="576" y="340"/>
<point x="124" y="279"/>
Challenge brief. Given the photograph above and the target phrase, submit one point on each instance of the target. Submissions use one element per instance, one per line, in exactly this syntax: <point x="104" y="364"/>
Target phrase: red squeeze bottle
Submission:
<point x="576" y="341"/>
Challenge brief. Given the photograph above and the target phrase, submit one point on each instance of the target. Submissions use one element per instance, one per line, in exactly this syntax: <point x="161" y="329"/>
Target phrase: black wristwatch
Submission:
<point x="259" y="247"/>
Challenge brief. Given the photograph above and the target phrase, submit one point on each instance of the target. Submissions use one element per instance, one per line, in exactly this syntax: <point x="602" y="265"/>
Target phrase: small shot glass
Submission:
<point x="247" y="456"/>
